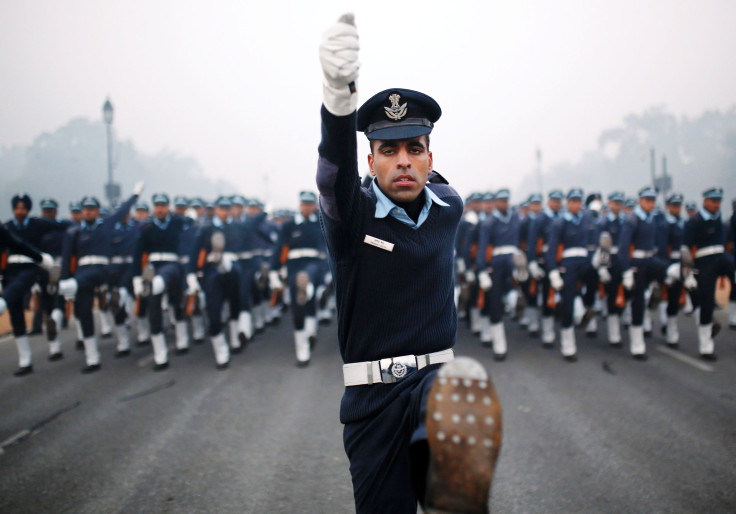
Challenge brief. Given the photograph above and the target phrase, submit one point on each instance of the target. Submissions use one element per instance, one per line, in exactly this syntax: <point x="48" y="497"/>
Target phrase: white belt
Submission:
<point x="301" y="253"/>
<point x="121" y="259"/>
<point x="248" y="255"/>
<point x="93" y="260"/>
<point x="215" y="257"/>
<point x="614" y="250"/>
<point x="184" y="259"/>
<point x="504" y="250"/>
<point x="642" y="254"/>
<point x="709" y="250"/>
<point x="675" y="255"/>
<point x="20" y="259"/>
<point x="163" y="257"/>
<point x="267" y="253"/>
<point x="388" y="371"/>
<point x="574" y="252"/>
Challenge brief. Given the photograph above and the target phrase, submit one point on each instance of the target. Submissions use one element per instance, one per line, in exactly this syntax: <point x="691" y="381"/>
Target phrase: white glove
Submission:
<point x="138" y="188"/>
<point x="138" y="286"/>
<point x="555" y="280"/>
<point x="192" y="284"/>
<point x="47" y="262"/>
<point x="627" y="279"/>
<point x="338" y="53"/>
<point x="226" y="263"/>
<point x="536" y="271"/>
<point x="274" y="281"/>
<point x="673" y="274"/>
<point x="520" y="275"/>
<point x="460" y="265"/>
<point x="690" y="281"/>
<point x="469" y="276"/>
<point x="484" y="281"/>
<point x="604" y="275"/>
<point x="596" y="258"/>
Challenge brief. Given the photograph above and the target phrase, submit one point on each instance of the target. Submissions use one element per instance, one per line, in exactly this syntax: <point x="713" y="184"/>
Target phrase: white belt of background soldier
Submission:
<point x="302" y="253"/>
<point x="504" y="250"/>
<point x="216" y="257"/>
<point x="577" y="251"/>
<point x="642" y="254"/>
<point x="17" y="258"/>
<point x="122" y="259"/>
<point x="389" y="371"/>
<point x="93" y="260"/>
<point x="709" y="250"/>
<point x="163" y="257"/>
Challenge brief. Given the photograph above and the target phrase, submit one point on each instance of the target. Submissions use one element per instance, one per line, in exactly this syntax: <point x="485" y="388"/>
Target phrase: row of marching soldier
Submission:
<point x="220" y="270"/>
<point x="576" y="257"/>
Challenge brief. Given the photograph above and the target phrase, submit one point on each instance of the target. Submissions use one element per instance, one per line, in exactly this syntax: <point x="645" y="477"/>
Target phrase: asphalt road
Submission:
<point x="605" y="434"/>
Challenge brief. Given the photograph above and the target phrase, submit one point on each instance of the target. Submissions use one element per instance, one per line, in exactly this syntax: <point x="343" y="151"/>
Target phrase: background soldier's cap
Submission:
<point x="307" y="197"/>
<point x="535" y="198"/>
<point x="180" y="201"/>
<point x="196" y="203"/>
<point x="209" y="205"/>
<point x="49" y="203"/>
<point x="714" y="193"/>
<point x="503" y="194"/>
<point x="675" y="199"/>
<point x="488" y="197"/>
<point x="398" y="114"/>
<point x="90" y="202"/>
<point x="75" y="206"/>
<point x="160" y="199"/>
<point x="142" y="206"/>
<point x="524" y="204"/>
<point x="691" y="206"/>
<point x="555" y="194"/>
<point x="575" y="194"/>
<point x="254" y="202"/>
<point x="647" y="192"/>
<point x="616" y="196"/>
<point x="630" y="202"/>
<point x="476" y="196"/>
<point x="224" y="202"/>
<point x="239" y="200"/>
<point x="22" y="198"/>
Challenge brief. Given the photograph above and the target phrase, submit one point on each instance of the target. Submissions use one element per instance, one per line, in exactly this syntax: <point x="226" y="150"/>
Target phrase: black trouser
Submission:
<point x="88" y="278"/>
<point x="121" y="275"/>
<point x="501" y="268"/>
<point x="645" y="272"/>
<point x="707" y="270"/>
<point x="17" y="281"/>
<point x="575" y="270"/>
<point x="612" y="288"/>
<point x="171" y="272"/>
<point x="313" y="268"/>
<point x="219" y="288"/>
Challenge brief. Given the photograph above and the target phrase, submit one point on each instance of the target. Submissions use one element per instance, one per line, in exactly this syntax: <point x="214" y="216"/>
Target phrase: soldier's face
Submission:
<point x="573" y="206"/>
<point x="252" y="210"/>
<point x="90" y="214"/>
<point x="20" y="212"/>
<point x="161" y="210"/>
<point x="237" y="211"/>
<point x="674" y="210"/>
<point x="615" y="207"/>
<point x="141" y="215"/>
<point x="49" y="213"/>
<point x="308" y="208"/>
<point x="180" y="210"/>
<point x="502" y="206"/>
<point x="222" y="213"/>
<point x="535" y="207"/>
<point x="647" y="204"/>
<point x="76" y="216"/>
<point x="401" y="167"/>
<point x="712" y="205"/>
<point x="554" y="205"/>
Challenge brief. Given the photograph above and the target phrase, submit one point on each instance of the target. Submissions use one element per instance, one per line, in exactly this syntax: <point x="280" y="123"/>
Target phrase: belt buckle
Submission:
<point x="396" y="369"/>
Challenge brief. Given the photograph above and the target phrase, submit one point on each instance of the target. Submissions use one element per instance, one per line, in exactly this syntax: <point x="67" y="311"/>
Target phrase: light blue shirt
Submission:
<point x="384" y="207"/>
<point x="707" y="216"/>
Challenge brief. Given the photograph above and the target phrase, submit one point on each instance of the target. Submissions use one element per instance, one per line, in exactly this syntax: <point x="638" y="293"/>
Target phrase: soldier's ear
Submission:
<point x="370" y="164"/>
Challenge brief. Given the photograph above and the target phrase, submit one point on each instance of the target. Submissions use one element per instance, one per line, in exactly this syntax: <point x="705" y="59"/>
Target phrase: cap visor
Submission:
<point x="399" y="132"/>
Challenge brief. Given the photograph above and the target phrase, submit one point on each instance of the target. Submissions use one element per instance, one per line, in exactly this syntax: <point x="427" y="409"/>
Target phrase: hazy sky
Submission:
<point x="237" y="84"/>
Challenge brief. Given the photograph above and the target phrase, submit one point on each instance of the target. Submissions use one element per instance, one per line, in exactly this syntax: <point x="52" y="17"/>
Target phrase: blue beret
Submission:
<point x="398" y="114"/>
<point x="90" y="202"/>
<point x="75" y="206"/>
<point x="160" y="198"/>
<point x="503" y="194"/>
<point x="555" y="194"/>
<point x="224" y="202"/>
<point x="616" y="196"/>
<point x="180" y="201"/>
<point x="675" y="199"/>
<point x="647" y="192"/>
<point x="22" y="198"/>
<point x="141" y="206"/>
<point x="535" y="198"/>
<point x="307" y="197"/>
<point x="49" y="203"/>
<point x="714" y="193"/>
<point x="575" y="194"/>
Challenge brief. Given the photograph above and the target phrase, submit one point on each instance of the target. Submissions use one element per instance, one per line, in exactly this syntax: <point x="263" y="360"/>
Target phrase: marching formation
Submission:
<point x="222" y="271"/>
<point x="576" y="257"/>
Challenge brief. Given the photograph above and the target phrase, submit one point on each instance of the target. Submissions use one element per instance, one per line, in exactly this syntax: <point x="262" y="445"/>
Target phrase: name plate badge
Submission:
<point x="379" y="243"/>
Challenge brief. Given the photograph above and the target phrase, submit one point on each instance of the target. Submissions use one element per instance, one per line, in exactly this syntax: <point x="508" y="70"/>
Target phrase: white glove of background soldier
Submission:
<point x="555" y="280"/>
<point x="627" y="279"/>
<point x="536" y="271"/>
<point x="338" y="53"/>
<point x="484" y="280"/>
<point x="192" y="284"/>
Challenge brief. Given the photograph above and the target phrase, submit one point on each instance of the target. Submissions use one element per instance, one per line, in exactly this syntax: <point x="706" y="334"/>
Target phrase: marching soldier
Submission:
<point x="52" y="304"/>
<point x="87" y="251"/>
<point x="691" y="208"/>
<point x="157" y="272"/>
<point x="529" y="288"/>
<point x="704" y="241"/>
<point x="669" y="248"/>
<point x="266" y="235"/>
<point x="75" y="212"/>
<point x="568" y="254"/>
<point x="609" y="272"/>
<point x="537" y="249"/>
<point x="301" y="247"/>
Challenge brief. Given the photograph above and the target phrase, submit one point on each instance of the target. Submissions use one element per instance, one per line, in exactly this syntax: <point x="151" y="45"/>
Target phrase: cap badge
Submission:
<point x="396" y="111"/>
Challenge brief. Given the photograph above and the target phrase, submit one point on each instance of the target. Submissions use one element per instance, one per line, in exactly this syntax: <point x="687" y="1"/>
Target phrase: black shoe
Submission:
<point x="732" y="326"/>
<point x="591" y="335"/>
<point x="486" y="344"/>
<point x="312" y="342"/>
<point x="674" y="346"/>
<point x="640" y="357"/>
<point x="161" y="367"/>
<point x="222" y="366"/>
<point x="260" y="330"/>
<point x="198" y="341"/>
<point x="715" y="330"/>
<point x="56" y="356"/>
<point x="302" y="364"/>
<point x="235" y="351"/>
<point x="709" y="357"/>
<point x="548" y="346"/>
<point x="663" y="330"/>
<point x="325" y="321"/>
<point x="34" y="332"/>
<point x="106" y="335"/>
<point x="647" y="333"/>
<point x="122" y="353"/>
<point x="589" y="315"/>
<point x="79" y="345"/>
<point x="534" y="333"/>
<point x="499" y="356"/>
<point x="25" y="370"/>
<point x="91" y="368"/>
<point x="181" y="351"/>
<point x="243" y="339"/>
<point x="51" y="331"/>
<point x="617" y="345"/>
<point x="145" y="342"/>
<point x="570" y="358"/>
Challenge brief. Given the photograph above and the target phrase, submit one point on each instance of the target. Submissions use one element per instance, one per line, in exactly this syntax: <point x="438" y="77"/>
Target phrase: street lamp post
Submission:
<point x="112" y="190"/>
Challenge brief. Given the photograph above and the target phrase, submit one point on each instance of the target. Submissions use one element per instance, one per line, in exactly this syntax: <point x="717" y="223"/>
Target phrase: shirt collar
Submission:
<point x="708" y="216"/>
<point x="384" y="205"/>
<point x="642" y="214"/>
<point x="571" y="217"/>
<point x="612" y="217"/>
<point x="92" y="226"/>
<point x="217" y="222"/>
<point x="503" y="217"/>
<point x="299" y="219"/>
<point x="551" y="214"/>
<point x="21" y="225"/>
<point x="162" y="224"/>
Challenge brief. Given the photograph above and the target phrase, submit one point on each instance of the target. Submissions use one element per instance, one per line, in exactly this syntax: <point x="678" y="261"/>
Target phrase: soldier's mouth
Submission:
<point x="404" y="180"/>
